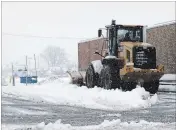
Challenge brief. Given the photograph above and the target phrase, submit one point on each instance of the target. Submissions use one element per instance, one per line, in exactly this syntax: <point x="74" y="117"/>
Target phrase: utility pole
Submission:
<point x="13" y="78"/>
<point x="38" y="63"/>
<point x="35" y="64"/>
<point x="26" y="71"/>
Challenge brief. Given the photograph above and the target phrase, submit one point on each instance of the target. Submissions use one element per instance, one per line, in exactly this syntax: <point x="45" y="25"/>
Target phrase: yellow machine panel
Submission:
<point x="127" y="54"/>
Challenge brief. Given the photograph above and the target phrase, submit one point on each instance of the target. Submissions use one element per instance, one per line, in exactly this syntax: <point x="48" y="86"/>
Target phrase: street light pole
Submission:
<point x="38" y="62"/>
<point x="13" y="78"/>
<point x="26" y="71"/>
<point x="35" y="64"/>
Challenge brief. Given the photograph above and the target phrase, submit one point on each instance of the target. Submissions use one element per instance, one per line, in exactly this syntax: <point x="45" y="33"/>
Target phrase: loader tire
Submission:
<point x="152" y="87"/>
<point x="110" y="78"/>
<point x="128" y="86"/>
<point x="101" y="79"/>
<point x="91" y="77"/>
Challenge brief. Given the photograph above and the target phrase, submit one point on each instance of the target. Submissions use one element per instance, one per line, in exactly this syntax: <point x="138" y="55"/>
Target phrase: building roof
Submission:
<point x="162" y="24"/>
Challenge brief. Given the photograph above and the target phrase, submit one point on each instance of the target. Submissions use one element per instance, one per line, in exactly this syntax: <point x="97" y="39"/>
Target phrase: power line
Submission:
<point x="34" y="36"/>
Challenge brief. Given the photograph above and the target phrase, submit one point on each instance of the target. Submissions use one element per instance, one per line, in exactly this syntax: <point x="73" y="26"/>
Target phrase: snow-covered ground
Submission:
<point x="109" y="125"/>
<point x="61" y="92"/>
<point x="167" y="88"/>
<point x="115" y="124"/>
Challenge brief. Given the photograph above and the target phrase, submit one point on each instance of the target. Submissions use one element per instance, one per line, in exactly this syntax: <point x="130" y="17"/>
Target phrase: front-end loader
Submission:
<point x="126" y="61"/>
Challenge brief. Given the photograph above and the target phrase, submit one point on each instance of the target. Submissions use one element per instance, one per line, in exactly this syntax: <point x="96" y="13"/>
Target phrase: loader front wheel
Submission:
<point x="152" y="86"/>
<point x="128" y="86"/>
<point x="111" y="79"/>
<point x="91" y="77"/>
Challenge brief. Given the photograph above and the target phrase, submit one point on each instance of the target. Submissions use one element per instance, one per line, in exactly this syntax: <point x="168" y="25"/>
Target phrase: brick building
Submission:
<point x="163" y="37"/>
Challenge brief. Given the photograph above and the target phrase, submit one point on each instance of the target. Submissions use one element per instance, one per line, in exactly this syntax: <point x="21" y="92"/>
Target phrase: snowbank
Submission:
<point x="168" y="83"/>
<point x="168" y="77"/>
<point x="108" y="125"/>
<point x="61" y="92"/>
<point x="4" y="82"/>
<point x="51" y="79"/>
<point x="17" y="127"/>
<point x="110" y="57"/>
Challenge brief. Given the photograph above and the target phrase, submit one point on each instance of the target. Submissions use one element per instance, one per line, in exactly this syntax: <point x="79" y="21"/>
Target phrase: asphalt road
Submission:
<point x="20" y="111"/>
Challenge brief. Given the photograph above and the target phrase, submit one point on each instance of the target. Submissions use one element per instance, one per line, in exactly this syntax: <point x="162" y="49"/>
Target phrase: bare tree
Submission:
<point x="54" y="56"/>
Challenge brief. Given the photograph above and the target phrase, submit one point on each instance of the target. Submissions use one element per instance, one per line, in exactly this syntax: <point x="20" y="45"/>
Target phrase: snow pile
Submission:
<point x="48" y="80"/>
<point x="97" y="66"/>
<point x="61" y="92"/>
<point x="39" y="79"/>
<point x="52" y="79"/>
<point x="145" y="44"/>
<point x="110" y="57"/>
<point x="170" y="77"/>
<point x="108" y="125"/>
<point x="16" y="127"/>
<point x="168" y="83"/>
<point x="3" y="81"/>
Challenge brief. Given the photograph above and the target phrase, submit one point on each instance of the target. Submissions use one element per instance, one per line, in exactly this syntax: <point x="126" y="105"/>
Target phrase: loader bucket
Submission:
<point x="148" y="80"/>
<point x="77" y="77"/>
<point x="147" y="76"/>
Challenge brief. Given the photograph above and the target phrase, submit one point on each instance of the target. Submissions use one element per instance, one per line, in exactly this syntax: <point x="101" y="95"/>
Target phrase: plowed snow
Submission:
<point x="109" y="125"/>
<point x="61" y="92"/>
<point x="106" y="125"/>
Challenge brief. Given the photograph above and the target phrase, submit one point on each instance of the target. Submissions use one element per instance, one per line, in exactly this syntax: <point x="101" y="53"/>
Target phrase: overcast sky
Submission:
<point x="69" y="19"/>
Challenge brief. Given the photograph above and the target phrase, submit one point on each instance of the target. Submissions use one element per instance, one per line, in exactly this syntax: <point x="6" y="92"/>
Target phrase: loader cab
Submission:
<point x="125" y="33"/>
<point x="122" y="33"/>
<point x="129" y="33"/>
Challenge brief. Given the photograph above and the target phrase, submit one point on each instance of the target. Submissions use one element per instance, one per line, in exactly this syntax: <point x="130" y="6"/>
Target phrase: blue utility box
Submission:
<point x="29" y="79"/>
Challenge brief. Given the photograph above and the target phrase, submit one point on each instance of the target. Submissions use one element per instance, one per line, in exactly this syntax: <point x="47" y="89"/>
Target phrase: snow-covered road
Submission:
<point x="21" y="112"/>
<point x="85" y="109"/>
